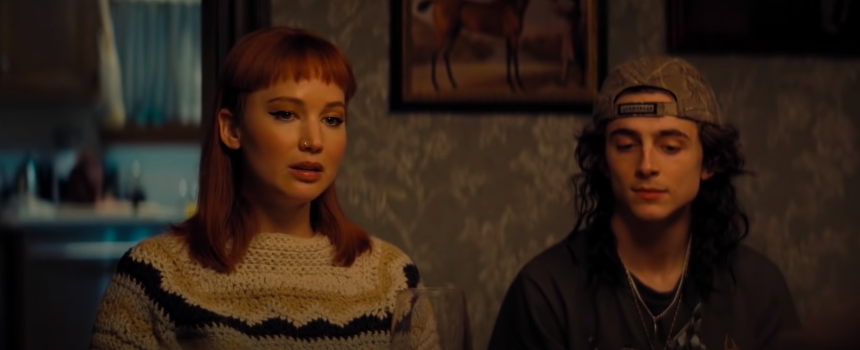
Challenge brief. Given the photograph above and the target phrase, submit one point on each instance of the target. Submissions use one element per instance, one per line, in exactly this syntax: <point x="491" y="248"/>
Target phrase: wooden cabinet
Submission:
<point x="48" y="51"/>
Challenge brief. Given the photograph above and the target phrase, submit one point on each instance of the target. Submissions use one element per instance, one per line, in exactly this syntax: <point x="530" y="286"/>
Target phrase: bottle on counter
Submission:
<point x="136" y="193"/>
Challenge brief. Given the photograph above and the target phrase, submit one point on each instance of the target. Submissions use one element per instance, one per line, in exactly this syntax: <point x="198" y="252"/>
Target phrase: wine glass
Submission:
<point x="431" y="319"/>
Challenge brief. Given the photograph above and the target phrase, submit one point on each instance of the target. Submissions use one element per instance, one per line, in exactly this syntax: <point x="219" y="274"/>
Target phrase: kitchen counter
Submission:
<point x="56" y="261"/>
<point x="34" y="213"/>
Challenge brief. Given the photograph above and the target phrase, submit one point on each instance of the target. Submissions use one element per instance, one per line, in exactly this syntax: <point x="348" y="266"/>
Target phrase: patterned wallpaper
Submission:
<point x="472" y="198"/>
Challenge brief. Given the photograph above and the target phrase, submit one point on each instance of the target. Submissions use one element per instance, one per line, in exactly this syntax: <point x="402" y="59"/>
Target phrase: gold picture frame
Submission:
<point x="560" y="55"/>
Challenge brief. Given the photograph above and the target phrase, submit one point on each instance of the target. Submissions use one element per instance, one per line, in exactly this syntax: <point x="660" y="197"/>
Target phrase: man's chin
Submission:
<point x="651" y="213"/>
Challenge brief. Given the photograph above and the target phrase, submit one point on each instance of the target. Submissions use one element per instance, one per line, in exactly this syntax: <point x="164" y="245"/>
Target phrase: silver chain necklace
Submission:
<point x="637" y="300"/>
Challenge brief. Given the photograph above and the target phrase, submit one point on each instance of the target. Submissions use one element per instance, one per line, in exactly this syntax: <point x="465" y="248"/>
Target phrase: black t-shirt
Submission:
<point x="551" y="306"/>
<point x="657" y="302"/>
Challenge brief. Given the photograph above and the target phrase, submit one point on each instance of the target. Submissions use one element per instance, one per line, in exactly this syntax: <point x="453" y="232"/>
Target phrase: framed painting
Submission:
<point x="496" y="55"/>
<point x="825" y="27"/>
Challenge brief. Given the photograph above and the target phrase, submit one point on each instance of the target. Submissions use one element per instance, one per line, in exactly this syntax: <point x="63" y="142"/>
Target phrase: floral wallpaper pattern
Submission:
<point x="472" y="198"/>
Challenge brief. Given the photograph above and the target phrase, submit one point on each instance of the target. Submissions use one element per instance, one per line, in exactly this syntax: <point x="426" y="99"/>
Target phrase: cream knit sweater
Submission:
<point x="285" y="294"/>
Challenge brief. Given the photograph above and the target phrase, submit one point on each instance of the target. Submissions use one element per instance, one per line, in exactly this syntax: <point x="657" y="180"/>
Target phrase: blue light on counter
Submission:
<point x="141" y="233"/>
<point x="110" y="234"/>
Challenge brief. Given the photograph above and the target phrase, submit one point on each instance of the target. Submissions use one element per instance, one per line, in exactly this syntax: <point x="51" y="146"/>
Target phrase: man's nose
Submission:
<point x="647" y="164"/>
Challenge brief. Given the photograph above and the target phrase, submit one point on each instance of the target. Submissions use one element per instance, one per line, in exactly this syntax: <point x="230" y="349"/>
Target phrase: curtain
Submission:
<point x="158" y="45"/>
<point x="109" y="72"/>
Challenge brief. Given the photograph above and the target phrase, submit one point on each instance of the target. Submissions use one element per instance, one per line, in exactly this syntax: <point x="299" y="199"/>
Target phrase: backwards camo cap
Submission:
<point x="694" y="98"/>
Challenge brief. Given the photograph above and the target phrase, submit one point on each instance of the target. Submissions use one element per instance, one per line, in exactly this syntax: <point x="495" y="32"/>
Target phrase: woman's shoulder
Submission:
<point x="387" y="248"/>
<point x="148" y="264"/>
<point x="394" y="259"/>
<point x="158" y="252"/>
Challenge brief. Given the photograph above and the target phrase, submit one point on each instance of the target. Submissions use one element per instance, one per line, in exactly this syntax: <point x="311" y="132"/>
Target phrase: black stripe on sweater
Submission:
<point x="189" y="317"/>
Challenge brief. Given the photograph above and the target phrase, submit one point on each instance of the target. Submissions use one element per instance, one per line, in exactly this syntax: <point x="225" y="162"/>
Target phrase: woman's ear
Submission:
<point x="228" y="127"/>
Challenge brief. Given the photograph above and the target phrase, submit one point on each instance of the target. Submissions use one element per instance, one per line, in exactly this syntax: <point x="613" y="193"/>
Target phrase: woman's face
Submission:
<point x="292" y="138"/>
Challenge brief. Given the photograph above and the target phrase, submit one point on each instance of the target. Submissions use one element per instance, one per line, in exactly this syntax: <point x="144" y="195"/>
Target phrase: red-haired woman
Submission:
<point x="269" y="261"/>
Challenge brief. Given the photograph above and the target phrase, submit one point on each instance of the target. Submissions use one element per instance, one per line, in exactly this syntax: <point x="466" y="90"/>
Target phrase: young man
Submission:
<point x="655" y="260"/>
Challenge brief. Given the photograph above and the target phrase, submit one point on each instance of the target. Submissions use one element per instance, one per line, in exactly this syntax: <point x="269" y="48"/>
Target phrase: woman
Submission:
<point x="269" y="261"/>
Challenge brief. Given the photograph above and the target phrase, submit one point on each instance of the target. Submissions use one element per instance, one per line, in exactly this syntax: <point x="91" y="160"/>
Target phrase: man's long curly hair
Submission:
<point x="718" y="222"/>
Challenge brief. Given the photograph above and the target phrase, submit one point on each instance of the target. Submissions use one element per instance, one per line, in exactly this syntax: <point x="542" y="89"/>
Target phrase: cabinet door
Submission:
<point x="48" y="51"/>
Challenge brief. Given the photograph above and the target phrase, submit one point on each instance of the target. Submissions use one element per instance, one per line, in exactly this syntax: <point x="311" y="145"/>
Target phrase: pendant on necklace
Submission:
<point x="655" y="329"/>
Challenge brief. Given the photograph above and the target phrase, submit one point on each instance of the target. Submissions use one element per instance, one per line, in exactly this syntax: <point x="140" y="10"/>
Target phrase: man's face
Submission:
<point x="654" y="163"/>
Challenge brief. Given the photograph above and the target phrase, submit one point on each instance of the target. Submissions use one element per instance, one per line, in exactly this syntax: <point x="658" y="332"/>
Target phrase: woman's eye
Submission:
<point x="283" y="115"/>
<point x="332" y="121"/>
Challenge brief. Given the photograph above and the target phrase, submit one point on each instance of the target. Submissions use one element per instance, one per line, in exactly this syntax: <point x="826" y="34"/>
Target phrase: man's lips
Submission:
<point x="649" y="193"/>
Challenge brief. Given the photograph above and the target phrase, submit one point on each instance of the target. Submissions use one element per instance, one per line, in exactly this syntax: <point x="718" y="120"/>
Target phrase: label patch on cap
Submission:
<point x="637" y="109"/>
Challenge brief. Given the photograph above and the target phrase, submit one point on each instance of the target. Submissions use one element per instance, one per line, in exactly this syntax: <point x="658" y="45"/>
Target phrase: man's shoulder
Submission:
<point x="755" y="265"/>
<point x="562" y="260"/>
<point x="756" y="274"/>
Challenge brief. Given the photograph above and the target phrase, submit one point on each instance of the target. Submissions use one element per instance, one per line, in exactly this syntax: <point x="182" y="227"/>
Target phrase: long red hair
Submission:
<point x="219" y="233"/>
